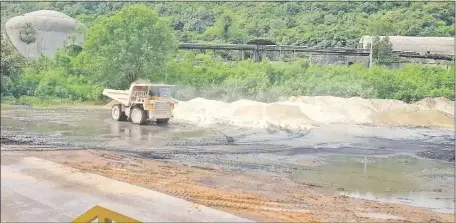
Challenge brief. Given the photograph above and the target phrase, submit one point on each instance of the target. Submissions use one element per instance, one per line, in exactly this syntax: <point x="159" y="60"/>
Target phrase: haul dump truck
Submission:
<point x="142" y="103"/>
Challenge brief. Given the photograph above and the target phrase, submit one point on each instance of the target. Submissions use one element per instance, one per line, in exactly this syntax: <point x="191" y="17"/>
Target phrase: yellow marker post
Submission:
<point x="103" y="215"/>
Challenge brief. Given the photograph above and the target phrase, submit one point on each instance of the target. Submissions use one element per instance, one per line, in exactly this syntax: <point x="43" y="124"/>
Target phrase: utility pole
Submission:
<point x="371" y="51"/>
<point x="256" y="54"/>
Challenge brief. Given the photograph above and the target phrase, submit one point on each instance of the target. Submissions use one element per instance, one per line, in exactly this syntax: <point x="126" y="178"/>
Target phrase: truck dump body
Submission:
<point x="118" y="95"/>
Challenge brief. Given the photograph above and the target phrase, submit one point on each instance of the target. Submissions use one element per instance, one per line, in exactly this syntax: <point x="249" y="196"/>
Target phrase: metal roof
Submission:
<point x="422" y="45"/>
<point x="154" y="85"/>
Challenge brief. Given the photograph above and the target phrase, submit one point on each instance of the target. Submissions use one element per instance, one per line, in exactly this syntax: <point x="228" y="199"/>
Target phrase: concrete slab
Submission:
<point x="37" y="190"/>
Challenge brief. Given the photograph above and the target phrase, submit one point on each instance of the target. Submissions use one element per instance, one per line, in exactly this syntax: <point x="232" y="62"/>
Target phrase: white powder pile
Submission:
<point x="307" y="112"/>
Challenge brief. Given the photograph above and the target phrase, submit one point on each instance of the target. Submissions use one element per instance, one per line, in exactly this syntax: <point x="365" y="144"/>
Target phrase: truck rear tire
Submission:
<point x="163" y="121"/>
<point x="138" y="116"/>
<point x="117" y="113"/>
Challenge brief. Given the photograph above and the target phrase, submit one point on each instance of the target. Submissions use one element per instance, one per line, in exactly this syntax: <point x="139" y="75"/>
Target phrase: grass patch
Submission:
<point x="7" y="106"/>
<point x="8" y="102"/>
<point x="55" y="102"/>
<point x="7" y="99"/>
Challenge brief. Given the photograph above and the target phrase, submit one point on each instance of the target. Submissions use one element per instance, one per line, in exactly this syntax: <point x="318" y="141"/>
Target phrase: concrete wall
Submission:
<point x="338" y="59"/>
<point x="346" y="60"/>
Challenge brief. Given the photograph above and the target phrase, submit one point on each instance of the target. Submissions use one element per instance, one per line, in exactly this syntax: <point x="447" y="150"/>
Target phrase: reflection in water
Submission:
<point x="136" y="132"/>
<point x="398" y="179"/>
<point x="92" y="127"/>
<point x="115" y="128"/>
<point x="417" y="199"/>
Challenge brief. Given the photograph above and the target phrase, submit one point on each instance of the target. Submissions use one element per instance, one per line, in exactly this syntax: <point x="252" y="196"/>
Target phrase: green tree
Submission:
<point x="226" y="29"/>
<point x="11" y="65"/>
<point x="11" y="61"/>
<point x="133" y="43"/>
<point x="28" y="33"/>
<point x="382" y="51"/>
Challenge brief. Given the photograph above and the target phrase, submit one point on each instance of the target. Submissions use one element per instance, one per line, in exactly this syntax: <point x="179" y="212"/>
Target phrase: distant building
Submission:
<point x="421" y="45"/>
<point x="43" y="32"/>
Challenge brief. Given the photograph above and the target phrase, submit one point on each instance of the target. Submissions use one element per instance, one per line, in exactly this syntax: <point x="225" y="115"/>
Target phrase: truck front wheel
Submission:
<point x="138" y="116"/>
<point x="117" y="113"/>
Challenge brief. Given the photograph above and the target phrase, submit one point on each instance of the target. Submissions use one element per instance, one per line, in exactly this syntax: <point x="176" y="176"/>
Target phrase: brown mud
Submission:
<point x="257" y="197"/>
<point x="335" y="172"/>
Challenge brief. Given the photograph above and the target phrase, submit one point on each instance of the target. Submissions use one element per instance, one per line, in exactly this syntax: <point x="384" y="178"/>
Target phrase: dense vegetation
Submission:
<point x="145" y="42"/>
<point x="313" y="23"/>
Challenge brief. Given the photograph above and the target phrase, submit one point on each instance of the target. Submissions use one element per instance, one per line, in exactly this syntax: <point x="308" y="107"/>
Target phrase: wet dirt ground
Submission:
<point x="355" y="173"/>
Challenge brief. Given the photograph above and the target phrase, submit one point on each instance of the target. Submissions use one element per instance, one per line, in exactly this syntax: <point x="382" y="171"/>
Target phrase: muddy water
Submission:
<point x="377" y="163"/>
<point x="397" y="179"/>
<point x="83" y="127"/>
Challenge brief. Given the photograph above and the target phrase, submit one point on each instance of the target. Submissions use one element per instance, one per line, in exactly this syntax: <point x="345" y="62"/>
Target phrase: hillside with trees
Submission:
<point x="128" y="41"/>
<point x="314" y="23"/>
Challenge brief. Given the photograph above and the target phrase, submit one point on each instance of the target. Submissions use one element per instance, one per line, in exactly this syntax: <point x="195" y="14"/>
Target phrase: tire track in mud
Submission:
<point x="197" y="152"/>
<point x="230" y="141"/>
<point x="239" y="144"/>
<point x="186" y="183"/>
<point x="217" y="139"/>
<point x="232" y="192"/>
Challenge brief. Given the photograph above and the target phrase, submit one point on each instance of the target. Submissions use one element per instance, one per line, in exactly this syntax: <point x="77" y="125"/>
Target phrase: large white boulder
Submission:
<point x="52" y="30"/>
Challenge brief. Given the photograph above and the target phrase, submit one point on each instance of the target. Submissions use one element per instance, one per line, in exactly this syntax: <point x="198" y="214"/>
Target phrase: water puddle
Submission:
<point x="395" y="179"/>
<point x="91" y="127"/>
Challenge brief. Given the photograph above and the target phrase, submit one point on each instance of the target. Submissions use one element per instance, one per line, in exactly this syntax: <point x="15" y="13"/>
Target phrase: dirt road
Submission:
<point x="331" y="173"/>
<point x="37" y="190"/>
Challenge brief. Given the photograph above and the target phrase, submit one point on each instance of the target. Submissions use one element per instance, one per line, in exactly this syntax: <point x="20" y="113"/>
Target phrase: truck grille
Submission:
<point x="162" y="109"/>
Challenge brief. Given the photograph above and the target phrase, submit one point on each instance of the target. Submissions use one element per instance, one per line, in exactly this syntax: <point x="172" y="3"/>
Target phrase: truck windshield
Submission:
<point x="165" y="92"/>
